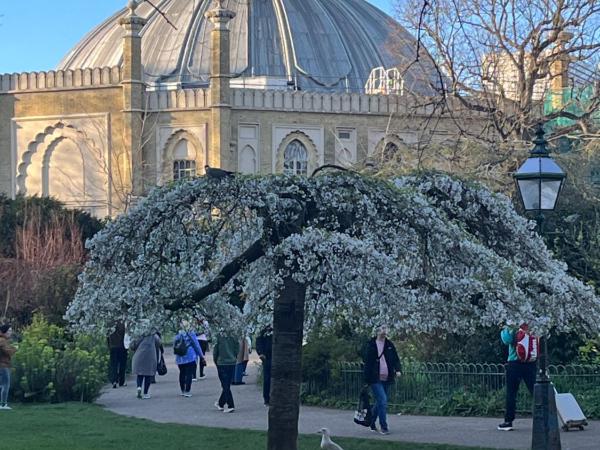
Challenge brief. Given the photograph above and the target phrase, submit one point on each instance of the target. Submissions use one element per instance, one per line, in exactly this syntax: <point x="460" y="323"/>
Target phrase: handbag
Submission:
<point x="161" y="367"/>
<point x="363" y="414"/>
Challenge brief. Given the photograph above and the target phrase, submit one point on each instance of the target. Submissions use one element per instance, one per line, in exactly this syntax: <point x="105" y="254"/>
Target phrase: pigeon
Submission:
<point x="217" y="174"/>
<point x="326" y="442"/>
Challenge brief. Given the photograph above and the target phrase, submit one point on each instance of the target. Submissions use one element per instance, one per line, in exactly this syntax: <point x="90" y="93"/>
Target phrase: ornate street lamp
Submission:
<point x="539" y="182"/>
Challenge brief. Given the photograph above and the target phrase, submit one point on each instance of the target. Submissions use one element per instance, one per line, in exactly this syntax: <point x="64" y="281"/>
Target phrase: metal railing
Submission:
<point x="447" y="388"/>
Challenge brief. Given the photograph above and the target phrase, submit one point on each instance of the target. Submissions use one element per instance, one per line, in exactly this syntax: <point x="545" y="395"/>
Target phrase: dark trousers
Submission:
<point x="204" y="347"/>
<point x="117" y="365"/>
<point x="515" y="372"/>
<point x="226" y="377"/>
<point x="267" y="381"/>
<point x="146" y="381"/>
<point x="186" y="373"/>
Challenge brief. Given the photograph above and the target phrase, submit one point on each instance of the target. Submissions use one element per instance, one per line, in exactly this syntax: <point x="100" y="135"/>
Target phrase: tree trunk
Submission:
<point x="286" y="373"/>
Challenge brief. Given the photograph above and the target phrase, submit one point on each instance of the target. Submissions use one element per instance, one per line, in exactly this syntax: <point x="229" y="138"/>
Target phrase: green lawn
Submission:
<point x="75" y="426"/>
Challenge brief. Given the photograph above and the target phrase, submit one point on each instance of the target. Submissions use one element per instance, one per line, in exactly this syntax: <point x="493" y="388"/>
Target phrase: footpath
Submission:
<point x="167" y="406"/>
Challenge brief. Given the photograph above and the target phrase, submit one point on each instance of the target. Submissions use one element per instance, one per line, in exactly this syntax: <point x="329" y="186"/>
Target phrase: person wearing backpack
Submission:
<point x="381" y="366"/>
<point x="520" y="366"/>
<point x="187" y="351"/>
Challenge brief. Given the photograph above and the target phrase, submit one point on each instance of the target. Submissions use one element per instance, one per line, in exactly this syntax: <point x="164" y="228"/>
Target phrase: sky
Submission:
<point x="36" y="34"/>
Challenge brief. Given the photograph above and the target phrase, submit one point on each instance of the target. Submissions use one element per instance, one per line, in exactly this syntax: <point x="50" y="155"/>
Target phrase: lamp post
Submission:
<point x="539" y="182"/>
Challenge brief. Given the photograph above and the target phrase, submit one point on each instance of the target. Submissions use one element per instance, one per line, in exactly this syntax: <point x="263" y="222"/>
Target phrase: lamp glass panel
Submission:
<point x="530" y="193"/>
<point x="550" y="189"/>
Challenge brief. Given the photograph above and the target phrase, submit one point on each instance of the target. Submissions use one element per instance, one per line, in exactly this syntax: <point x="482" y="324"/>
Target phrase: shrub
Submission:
<point x="51" y="367"/>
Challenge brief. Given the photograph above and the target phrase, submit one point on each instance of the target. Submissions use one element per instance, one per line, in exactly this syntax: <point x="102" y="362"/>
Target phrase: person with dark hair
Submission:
<point x="203" y="338"/>
<point x="381" y="365"/>
<point x="6" y="353"/>
<point x="516" y="371"/>
<point x="264" y="349"/>
<point x="118" y="356"/>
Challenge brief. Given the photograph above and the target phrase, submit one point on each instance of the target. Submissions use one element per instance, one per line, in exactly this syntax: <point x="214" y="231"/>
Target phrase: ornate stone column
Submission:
<point x="219" y="154"/>
<point x="134" y="90"/>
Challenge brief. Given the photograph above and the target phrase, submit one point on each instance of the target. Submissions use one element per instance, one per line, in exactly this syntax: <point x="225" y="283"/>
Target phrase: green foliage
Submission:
<point x="54" y="291"/>
<point x="14" y="214"/>
<point x="322" y="352"/>
<point x="51" y="367"/>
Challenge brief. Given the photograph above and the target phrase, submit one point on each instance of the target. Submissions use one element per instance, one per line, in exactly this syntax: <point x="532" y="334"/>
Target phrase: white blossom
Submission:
<point x="428" y="252"/>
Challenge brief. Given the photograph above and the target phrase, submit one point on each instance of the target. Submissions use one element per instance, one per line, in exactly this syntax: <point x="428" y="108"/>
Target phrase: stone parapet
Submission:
<point x="179" y="99"/>
<point x="320" y="102"/>
<point x="60" y="79"/>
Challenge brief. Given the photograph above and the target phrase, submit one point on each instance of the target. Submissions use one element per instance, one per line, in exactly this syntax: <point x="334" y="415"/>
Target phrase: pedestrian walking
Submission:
<point x="264" y="349"/>
<point x="517" y="369"/>
<point x="382" y="364"/>
<point x="242" y="361"/>
<point x="186" y="358"/>
<point x="118" y="356"/>
<point x="225" y="353"/>
<point x="203" y="339"/>
<point x="145" y="362"/>
<point x="6" y="353"/>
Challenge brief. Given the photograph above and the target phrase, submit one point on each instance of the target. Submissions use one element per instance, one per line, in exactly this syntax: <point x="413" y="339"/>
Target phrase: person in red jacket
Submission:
<point x="381" y="366"/>
<point x="6" y="353"/>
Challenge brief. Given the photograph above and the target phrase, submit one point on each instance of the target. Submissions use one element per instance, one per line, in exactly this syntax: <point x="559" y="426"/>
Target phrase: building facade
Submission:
<point x="253" y="86"/>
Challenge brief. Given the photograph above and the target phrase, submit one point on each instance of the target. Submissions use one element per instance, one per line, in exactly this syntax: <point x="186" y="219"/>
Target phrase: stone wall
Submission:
<point x="60" y="79"/>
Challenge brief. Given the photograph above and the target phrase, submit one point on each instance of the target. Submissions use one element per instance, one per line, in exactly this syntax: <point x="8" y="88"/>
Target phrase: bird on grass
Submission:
<point x="217" y="174"/>
<point x="326" y="442"/>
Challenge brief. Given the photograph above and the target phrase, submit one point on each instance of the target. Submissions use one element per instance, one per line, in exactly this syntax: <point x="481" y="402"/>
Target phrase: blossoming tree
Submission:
<point x="424" y="251"/>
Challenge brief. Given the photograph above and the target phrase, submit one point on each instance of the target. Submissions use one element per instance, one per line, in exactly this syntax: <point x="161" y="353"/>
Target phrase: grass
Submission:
<point x="76" y="426"/>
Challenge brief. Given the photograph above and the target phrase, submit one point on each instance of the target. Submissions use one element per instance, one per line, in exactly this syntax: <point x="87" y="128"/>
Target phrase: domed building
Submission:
<point x="254" y="86"/>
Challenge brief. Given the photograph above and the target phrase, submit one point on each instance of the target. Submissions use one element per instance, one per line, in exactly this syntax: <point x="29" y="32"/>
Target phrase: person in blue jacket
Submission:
<point x="515" y="372"/>
<point x="187" y="362"/>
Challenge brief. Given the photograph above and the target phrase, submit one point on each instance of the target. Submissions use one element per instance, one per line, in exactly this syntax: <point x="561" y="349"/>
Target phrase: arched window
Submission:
<point x="247" y="161"/>
<point x="184" y="164"/>
<point x="295" y="159"/>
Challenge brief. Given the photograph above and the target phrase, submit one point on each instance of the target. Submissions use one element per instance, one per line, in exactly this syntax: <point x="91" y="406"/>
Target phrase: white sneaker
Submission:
<point x="194" y="379"/>
<point x="228" y="410"/>
<point x="203" y="377"/>
<point x="220" y="408"/>
<point x="187" y="394"/>
<point x="146" y="396"/>
<point x="6" y="408"/>
<point x="139" y="392"/>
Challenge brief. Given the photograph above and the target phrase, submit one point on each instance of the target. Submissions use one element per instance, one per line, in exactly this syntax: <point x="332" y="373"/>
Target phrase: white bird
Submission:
<point x="326" y="442"/>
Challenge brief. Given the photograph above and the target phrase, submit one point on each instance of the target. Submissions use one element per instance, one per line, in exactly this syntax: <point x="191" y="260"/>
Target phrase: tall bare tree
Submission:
<point x="503" y="59"/>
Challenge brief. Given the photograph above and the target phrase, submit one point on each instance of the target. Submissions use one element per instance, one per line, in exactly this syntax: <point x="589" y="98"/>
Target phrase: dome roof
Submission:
<point x="318" y="44"/>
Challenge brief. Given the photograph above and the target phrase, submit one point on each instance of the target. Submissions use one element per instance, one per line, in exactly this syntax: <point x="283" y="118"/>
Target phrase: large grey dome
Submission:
<point x="320" y="44"/>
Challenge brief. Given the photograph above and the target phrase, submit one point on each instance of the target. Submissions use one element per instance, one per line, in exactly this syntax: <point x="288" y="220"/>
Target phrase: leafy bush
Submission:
<point x="52" y="367"/>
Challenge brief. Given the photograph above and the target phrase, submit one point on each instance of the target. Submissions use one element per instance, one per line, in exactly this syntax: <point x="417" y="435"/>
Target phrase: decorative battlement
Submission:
<point x="300" y="101"/>
<point x="320" y="102"/>
<point x="178" y="99"/>
<point x="60" y="79"/>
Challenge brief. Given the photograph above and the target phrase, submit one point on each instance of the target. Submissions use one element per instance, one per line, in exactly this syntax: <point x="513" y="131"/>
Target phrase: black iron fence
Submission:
<point x="447" y="388"/>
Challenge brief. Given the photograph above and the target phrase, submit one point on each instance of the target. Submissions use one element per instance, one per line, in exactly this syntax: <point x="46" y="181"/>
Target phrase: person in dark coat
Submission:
<point x="264" y="349"/>
<point x="145" y="361"/>
<point x="381" y="365"/>
<point x="118" y="356"/>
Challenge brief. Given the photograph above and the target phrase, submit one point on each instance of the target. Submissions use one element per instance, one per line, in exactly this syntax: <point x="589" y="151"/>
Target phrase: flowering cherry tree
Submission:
<point x="426" y="251"/>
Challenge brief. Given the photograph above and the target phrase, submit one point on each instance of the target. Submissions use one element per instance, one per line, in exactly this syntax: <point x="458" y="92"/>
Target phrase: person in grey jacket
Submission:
<point x="225" y="354"/>
<point x="145" y="361"/>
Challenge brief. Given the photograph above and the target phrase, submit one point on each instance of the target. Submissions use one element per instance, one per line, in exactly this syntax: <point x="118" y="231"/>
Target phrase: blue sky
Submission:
<point x="36" y="34"/>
